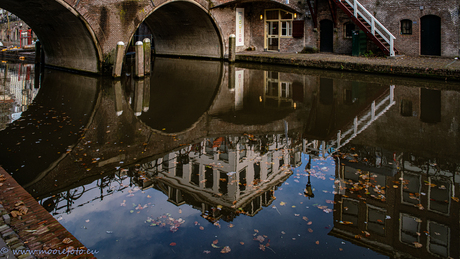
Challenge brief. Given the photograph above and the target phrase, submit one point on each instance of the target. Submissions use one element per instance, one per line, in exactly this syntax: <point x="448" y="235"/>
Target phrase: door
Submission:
<point x="273" y="42"/>
<point x="326" y="28"/>
<point x="430" y="35"/>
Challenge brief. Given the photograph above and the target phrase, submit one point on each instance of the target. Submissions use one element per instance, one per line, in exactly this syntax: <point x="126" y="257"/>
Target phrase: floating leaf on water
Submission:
<point x="282" y="203"/>
<point x="241" y="243"/>
<point x="87" y="220"/>
<point x="225" y="250"/>
<point x="231" y="225"/>
<point x="172" y="244"/>
<point x="201" y="228"/>
<point x="317" y="242"/>
<point x="417" y="245"/>
<point x="214" y="246"/>
<point x="310" y="230"/>
<point x="215" y="241"/>
<point x="206" y="252"/>
<point x="260" y="238"/>
<point x="109" y="232"/>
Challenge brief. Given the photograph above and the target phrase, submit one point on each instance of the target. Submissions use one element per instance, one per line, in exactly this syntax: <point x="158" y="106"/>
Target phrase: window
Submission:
<point x="409" y="227"/>
<point x="286" y="28"/>
<point x="348" y="30"/>
<point x="275" y="18"/>
<point x="406" y="27"/>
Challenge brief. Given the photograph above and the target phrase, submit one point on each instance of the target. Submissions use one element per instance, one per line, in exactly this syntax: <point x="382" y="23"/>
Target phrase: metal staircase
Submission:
<point x="371" y="26"/>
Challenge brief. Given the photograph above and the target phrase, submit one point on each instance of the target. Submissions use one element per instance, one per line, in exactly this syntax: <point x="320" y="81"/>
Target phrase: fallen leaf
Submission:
<point x="172" y="244"/>
<point x="242" y="243"/>
<point x="215" y="241"/>
<point x="225" y="250"/>
<point x="317" y="242"/>
<point x="67" y="241"/>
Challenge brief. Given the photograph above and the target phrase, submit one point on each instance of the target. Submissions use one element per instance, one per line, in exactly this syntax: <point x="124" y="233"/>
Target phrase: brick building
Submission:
<point x="419" y="27"/>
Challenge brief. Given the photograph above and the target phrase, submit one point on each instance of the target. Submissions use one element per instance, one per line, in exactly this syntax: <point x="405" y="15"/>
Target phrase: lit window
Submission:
<point x="406" y="27"/>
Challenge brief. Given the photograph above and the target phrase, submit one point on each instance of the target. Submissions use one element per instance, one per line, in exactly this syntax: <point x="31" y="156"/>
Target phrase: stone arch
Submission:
<point x="67" y="39"/>
<point x="184" y="28"/>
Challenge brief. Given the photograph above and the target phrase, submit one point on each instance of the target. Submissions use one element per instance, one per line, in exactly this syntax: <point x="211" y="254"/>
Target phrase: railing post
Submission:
<point x="338" y="139"/>
<point x="373" y="26"/>
<point x="392" y="93"/>
<point x="355" y="125"/>
<point x="355" y="8"/>
<point x="392" y="50"/>
<point x="373" y="111"/>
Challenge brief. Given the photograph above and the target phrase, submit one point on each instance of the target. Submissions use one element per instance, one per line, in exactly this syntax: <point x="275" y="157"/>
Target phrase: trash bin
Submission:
<point x="359" y="45"/>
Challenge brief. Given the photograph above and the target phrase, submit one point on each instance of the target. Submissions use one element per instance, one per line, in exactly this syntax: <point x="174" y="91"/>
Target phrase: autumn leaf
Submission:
<point x="317" y="242"/>
<point x="215" y="241"/>
<point x="225" y="250"/>
<point x="172" y="244"/>
<point x="67" y="241"/>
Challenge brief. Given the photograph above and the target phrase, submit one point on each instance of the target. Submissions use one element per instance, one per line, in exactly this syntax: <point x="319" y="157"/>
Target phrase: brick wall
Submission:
<point x="391" y="12"/>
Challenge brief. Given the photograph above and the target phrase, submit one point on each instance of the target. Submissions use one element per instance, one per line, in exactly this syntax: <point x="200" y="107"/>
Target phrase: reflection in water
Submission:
<point x="268" y="162"/>
<point x="17" y="90"/>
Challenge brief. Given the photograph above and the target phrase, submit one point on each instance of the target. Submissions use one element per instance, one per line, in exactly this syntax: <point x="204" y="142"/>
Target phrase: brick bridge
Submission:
<point x="82" y="34"/>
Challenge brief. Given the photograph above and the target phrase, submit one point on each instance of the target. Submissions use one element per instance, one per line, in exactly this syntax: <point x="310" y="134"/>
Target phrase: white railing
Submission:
<point x="376" y="26"/>
<point x="359" y="125"/>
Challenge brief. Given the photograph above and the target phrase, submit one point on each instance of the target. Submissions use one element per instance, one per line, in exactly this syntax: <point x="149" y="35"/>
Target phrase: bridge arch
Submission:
<point x="67" y="39"/>
<point x="184" y="28"/>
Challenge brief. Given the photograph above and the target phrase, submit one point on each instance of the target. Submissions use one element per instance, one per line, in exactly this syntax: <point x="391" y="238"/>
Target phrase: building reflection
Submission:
<point x="224" y="176"/>
<point x="17" y="91"/>
<point x="398" y="204"/>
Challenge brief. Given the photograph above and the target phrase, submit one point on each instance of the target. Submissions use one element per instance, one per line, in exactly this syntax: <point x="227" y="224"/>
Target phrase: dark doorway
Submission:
<point x="430" y="105"/>
<point x="326" y="91"/>
<point x="326" y="28"/>
<point x="430" y="35"/>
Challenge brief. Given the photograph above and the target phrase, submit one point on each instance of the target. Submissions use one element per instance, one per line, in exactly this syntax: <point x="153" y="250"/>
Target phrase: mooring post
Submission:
<point x="231" y="48"/>
<point x="139" y="67"/>
<point x="138" y="97"/>
<point x="231" y="77"/>
<point x="118" y="97"/>
<point x="147" y="55"/>
<point x="119" y="59"/>
<point x="146" y="102"/>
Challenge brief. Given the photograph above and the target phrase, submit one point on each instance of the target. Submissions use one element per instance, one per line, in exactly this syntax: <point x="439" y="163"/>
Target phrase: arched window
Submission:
<point x="406" y="27"/>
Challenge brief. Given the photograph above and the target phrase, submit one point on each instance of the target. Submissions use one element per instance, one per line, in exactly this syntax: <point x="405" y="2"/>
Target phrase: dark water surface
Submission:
<point x="202" y="159"/>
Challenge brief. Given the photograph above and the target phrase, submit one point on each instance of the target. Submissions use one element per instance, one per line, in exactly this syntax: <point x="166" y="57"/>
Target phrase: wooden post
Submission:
<point x="231" y="48"/>
<point x="147" y="55"/>
<point x="139" y="66"/>
<point x="118" y="97"/>
<point x="138" y="97"/>
<point x="119" y="59"/>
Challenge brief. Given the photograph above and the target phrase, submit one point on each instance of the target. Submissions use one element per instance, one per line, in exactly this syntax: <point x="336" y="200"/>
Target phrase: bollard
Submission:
<point x="231" y="77"/>
<point x="146" y="102"/>
<point x="38" y="46"/>
<point x="138" y="97"/>
<point x="147" y="55"/>
<point x="119" y="59"/>
<point x="139" y="66"/>
<point x="231" y="48"/>
<point x="118" y="97"/>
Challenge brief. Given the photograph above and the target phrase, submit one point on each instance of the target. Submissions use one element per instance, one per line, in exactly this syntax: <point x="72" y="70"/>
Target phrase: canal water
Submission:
<point x="204" y="159"/>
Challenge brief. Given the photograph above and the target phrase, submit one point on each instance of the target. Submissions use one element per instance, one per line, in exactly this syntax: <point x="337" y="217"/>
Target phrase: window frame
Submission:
<point x="406" y="27"/>
<point x="281" y="20"/>
<point x="345" y="30"/>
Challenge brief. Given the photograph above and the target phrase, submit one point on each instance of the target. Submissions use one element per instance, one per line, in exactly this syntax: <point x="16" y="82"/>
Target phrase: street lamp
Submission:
<point x="308" y="192"/>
